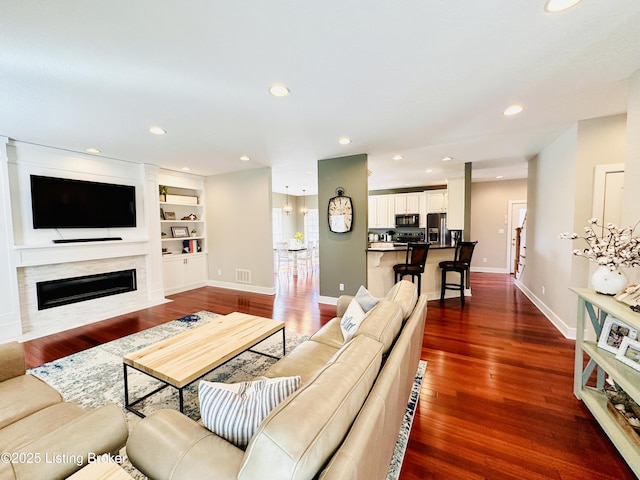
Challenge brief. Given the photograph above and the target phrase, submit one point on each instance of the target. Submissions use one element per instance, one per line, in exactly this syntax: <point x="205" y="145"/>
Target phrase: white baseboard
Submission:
<point x="563" y="328"/>
<point x="243" y="287"/>
<point x="489" y="270"/>
<point x="327" y="300"/>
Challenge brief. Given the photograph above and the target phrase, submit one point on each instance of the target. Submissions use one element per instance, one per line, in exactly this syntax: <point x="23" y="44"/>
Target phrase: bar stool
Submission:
<point x="414" y="263"/>
<point x="461" y="263"/>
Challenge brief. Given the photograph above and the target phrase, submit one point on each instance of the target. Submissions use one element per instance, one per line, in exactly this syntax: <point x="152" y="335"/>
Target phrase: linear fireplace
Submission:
<point x="54" y="293"/>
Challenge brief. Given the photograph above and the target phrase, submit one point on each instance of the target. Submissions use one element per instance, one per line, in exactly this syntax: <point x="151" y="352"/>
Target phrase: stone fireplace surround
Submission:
<point x="75" y="260"/>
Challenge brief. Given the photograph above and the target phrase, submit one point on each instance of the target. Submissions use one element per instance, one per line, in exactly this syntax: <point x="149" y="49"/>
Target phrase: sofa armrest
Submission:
<point x="167" y="445"/>
<point x="343" y="303"/>
<point x="68" y="448"/>
<point x="12" y="362"/>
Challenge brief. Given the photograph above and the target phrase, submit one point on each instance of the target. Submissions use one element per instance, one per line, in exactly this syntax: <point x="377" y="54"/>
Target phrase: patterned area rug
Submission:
<point x="97" y="377"/>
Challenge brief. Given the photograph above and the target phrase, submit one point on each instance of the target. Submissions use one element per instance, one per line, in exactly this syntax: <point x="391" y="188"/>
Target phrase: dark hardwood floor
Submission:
<point x="496" y="401"/>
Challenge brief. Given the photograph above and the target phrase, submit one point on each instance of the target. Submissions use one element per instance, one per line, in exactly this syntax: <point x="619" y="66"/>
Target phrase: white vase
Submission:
<point x="608" y="281"/>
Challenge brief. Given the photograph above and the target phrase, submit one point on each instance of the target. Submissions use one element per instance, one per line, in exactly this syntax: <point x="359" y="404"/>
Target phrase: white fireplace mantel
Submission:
<point x="35" y="255"/>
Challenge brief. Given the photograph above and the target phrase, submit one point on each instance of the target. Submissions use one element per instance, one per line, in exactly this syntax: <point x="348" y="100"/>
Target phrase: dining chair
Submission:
<point x="414" y="264"/>
<point x="284" y="256"/>
<point x="461" y="264"/>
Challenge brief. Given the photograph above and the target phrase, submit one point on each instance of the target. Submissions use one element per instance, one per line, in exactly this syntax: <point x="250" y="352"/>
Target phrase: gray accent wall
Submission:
<point x="343" y="256"/>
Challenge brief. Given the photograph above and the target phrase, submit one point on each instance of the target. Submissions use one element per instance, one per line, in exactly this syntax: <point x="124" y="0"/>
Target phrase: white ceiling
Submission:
<point x="420" y="78"/>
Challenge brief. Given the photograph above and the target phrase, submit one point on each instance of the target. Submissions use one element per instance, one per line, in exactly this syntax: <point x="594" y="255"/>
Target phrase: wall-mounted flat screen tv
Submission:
<point x="66" y="203"/>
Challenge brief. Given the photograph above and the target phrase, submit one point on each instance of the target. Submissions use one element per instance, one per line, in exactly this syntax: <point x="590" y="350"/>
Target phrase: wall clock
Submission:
<point x="340" y="212"/>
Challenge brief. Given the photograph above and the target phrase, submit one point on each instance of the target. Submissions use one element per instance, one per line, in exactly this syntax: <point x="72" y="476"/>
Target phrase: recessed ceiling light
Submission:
<point x="499" y="176"/>
<point x="279" y="90"/>
<point x="344" y="140"/>
<point x="157" y="130"/>
<point x="397" y="157"/>
<point x="446" y="159"/>
<point x="186" y="169"/>
<point x="245" y="158"/>
<point x="92" y="150"/>
<point x="428" y="170"/>
<point x="553" y="6"/>
<point x="512" y="110"/>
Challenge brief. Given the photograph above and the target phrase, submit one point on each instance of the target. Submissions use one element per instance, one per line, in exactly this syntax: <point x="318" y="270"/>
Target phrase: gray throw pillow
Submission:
<point x="365" y="299"/>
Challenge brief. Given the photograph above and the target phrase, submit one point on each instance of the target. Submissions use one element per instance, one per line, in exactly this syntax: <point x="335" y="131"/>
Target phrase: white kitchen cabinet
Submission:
<point x="184" y="272"/>
<point x="406" y="203"/>
<point x="381" y="211"/>
<point x="437" y="201"/>
<point x="422" y="211"/>
<point x="455" y="203"/>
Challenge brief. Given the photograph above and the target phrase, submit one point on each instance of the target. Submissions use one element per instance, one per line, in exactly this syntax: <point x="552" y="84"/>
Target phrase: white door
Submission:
<point x="517" y="214"/>
<point x="608" y="184"/>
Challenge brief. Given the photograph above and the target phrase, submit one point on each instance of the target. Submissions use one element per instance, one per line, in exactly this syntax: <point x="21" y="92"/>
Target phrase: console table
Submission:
<point x="596" y="307"/>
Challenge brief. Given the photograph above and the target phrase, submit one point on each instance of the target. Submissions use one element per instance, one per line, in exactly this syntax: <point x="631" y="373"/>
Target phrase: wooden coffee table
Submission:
<point x="180" y="360"/>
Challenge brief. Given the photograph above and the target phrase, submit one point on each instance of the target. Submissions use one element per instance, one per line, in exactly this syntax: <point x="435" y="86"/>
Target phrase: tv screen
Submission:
<point x="67" y="203"/>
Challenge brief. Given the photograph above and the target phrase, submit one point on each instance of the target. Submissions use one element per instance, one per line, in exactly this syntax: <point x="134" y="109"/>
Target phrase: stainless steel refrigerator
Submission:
<point x="437" y="229"/>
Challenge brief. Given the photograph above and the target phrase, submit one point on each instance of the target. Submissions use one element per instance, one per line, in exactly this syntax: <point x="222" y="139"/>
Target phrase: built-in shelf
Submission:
<point x="183" y="270"/>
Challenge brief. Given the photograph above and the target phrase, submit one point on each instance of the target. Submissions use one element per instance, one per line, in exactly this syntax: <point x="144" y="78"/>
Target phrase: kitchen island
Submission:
<point x="382" y="256"/>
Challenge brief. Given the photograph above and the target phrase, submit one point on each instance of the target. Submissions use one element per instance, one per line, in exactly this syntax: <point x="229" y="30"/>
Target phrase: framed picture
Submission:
<point x="180" y="232"/>
<point x="613" y="332"/>
<point x="169" y="215"/>
<point x="629" y="353"/>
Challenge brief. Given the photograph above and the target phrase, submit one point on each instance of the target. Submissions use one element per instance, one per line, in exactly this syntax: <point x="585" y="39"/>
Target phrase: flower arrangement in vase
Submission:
<point x="615" y="248"/>
<point x="299" y="237"/>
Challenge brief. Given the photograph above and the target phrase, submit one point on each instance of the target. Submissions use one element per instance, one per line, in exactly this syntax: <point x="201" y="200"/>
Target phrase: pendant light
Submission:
<point x="286" y="208"/>
<point x="304" y="209"/>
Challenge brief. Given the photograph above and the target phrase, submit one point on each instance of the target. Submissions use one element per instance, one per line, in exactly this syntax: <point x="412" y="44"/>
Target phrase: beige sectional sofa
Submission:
<point x="342" y="422"/>
<point x="41" y="436"/>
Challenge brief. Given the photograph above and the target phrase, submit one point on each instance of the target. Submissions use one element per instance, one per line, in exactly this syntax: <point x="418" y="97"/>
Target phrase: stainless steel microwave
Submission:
<point x="409" y="220"/>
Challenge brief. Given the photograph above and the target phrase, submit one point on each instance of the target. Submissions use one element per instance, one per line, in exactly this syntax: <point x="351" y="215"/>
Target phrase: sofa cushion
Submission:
<point x="383" y="323"/>
<point x="103" y="430"/>
<point x="365" y="299"/>
<point x="234" y="411"/>
<point x="351" y="319"/>
<point x="21" y="396"/>
<point x="330" y="334"/>
<point x="302" y="433"/>
<point x="28" y="429"/>
<point x="168" y="444"/>
<point x="305" y="360"/>
<point x="11" y="360"/>
<point x="405" y="294"/>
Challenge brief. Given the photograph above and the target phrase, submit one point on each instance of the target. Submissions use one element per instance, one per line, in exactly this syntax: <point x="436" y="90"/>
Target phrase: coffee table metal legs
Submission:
<point x="284" y="348"/>
<point x="129" y="405"/>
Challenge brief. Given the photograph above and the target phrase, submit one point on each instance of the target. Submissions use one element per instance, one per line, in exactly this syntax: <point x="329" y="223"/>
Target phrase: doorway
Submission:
<point x="517" y="219"/>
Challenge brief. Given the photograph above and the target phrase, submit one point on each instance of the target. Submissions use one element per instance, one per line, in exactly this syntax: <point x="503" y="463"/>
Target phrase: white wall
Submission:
<point x="489" y="206"/>
<point x="631" y="205"/>
<point x="560" y="197"/>
<point x="239" y="230"/>
<point x="550" y="203"/>
<point x="10" y="324"/>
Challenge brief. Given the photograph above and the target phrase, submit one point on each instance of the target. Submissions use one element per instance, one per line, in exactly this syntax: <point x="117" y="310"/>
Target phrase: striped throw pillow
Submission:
<point x="234" y="411"/>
